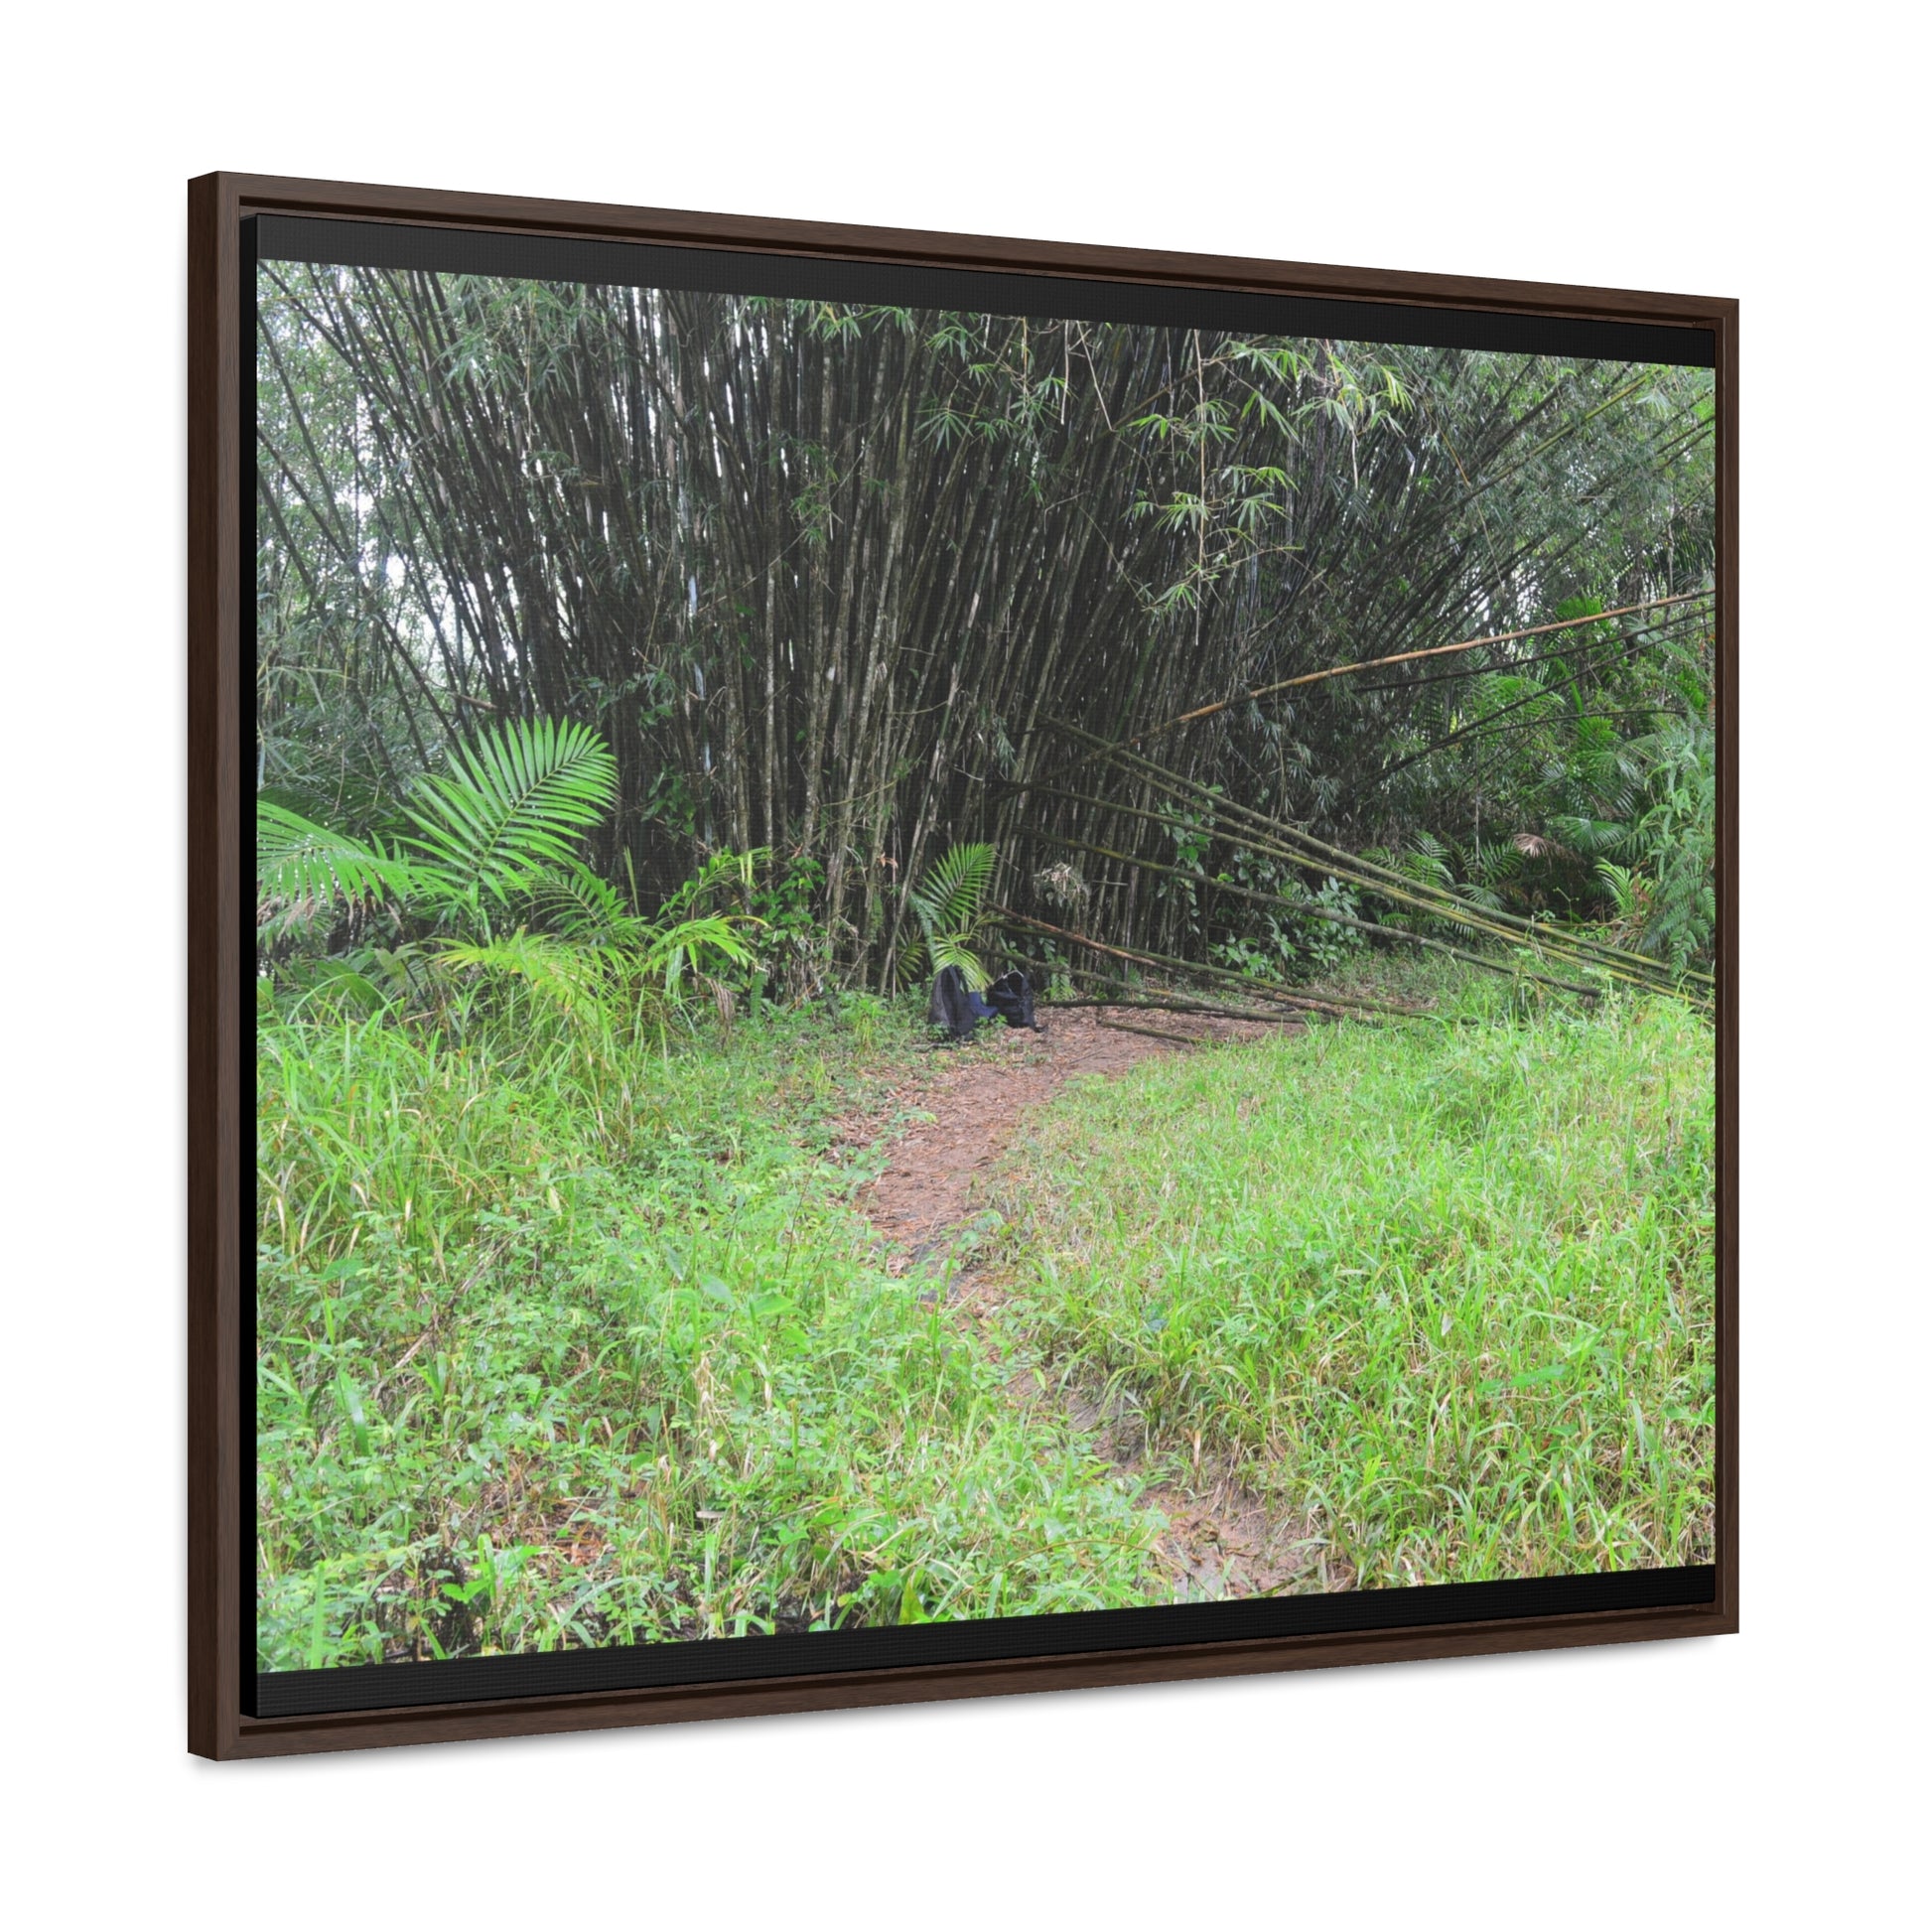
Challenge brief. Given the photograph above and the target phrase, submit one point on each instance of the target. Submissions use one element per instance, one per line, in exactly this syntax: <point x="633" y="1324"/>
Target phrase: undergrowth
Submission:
<point x="1445" y="1289"/>
<point x="559" y="1345"/>
<point x="568" y="1340"/>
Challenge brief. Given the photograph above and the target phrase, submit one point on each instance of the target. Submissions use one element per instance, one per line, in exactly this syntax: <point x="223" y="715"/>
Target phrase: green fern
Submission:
<point x="948" y="904"/>
<point x="306" y="873"/>
<point x="511" y="809"/>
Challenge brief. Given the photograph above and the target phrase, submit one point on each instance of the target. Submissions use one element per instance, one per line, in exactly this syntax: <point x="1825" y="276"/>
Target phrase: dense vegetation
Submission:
<point x="565" y="1341"/>
<point x="826" y="579"/>
<point x="653" y="689"/>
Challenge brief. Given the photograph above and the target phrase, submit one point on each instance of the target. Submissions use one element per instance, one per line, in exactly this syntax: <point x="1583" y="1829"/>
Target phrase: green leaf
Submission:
<point x="948" y="897"/>
<point x="305" y="871"/>
<point x="948" y="904"/>
<point x="509" y="814"/>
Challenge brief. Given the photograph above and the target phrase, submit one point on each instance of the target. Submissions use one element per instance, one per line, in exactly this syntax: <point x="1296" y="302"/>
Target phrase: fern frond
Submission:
<point x="512" y="806"/>
<point x="304" y="871"/>
<point x="948" y="897"/>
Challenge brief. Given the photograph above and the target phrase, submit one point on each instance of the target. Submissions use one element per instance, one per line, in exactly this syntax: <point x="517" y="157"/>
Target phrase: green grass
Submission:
<point x="1445" y="1289"/>
<point x="563" y="1341"/>
<point x="568" y="1334"/>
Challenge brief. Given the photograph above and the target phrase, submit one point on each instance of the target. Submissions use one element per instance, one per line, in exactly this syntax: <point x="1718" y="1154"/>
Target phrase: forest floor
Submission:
<point x="945" y="1134"/>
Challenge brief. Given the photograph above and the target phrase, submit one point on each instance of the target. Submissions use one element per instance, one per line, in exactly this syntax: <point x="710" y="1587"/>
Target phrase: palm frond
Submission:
<point x="588" y="910"/>
<point x="947" y="905"/>
<point x="1626" y="892"/>
<point x="513" y="805"/>
<point x="676" y="949"/>
<point x="719" y="869"/>
<point x="948" y="897"/>
<point x="305" y="871"/>
<point x="571" y="977"/>
<point x="948" y="949"/>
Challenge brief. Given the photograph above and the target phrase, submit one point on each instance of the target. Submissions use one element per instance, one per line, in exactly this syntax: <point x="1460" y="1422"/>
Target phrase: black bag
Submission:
<point x="1012" y="997"/>
<point x="955" y="1005"/>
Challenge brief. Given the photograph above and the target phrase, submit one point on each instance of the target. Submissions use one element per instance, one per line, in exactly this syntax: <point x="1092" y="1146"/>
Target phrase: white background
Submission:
<point x="1762" y="1779"/>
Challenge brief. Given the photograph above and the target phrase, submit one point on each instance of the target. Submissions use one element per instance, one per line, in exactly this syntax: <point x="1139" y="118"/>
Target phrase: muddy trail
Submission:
<point x="929" y="1206"/>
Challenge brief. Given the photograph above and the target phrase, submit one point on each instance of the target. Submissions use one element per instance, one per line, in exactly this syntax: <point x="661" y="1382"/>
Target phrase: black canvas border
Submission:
<point x="339" y="242"/>
<point x="367" y="1686"/>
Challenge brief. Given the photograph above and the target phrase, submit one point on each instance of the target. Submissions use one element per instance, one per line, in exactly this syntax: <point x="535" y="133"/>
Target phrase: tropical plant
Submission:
<point x="947" y="903"/>
<point x="1678" y="837"/>
<point x="306" y="873"/>
<point x="494" y="830"/>
<point x="506" y="817"/>
<point x="491" y="852"/>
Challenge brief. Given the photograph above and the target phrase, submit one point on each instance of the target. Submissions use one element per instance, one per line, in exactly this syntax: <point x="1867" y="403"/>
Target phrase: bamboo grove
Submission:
<point x="846" y="587"/>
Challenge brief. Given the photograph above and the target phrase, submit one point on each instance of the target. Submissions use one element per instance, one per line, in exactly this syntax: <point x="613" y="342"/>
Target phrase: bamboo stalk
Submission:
<point x="1404" y="657"/>
<point x="1179" y="1006"/>
<point x="1336" y="919"/>
<point x="1340" y="870"/>
<point x="1342" y="1006"/>
<point x="1338" y="859"/>
<point x="1499" y="924"/>
<point x="723" y="532"/>
<point x="1153" y="1033"/>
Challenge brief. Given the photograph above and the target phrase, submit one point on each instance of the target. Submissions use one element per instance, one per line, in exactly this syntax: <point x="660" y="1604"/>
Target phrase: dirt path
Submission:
<point x="976" y="1094"/>
<point x="1220" y="1541"/>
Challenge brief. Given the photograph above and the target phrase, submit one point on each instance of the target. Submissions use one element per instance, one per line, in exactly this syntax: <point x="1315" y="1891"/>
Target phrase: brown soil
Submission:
<point x="966" y="1104"/>
<point x="975" y="1094"/>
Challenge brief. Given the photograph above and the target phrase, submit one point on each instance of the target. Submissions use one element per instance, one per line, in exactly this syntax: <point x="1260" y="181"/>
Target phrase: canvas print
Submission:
<point x="917" y="965"/>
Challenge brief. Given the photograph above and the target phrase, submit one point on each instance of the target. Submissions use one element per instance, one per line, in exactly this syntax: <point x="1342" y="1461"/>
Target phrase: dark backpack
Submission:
<point x="955" y="1005"/>
<point x="1012" y="997"/>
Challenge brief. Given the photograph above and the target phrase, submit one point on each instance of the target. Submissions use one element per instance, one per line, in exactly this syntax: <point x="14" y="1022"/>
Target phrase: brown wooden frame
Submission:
<point x="219" y="1460"/>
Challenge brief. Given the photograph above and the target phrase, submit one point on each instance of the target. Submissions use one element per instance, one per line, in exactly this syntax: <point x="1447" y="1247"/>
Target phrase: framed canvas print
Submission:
<point x="925" y="966"/>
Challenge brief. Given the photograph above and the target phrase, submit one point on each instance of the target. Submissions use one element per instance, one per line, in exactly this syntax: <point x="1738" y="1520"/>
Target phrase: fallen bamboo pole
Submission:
<point x="1178" y="1005"/>
<point x="1652" y="982"/>
<point x="1406" y="658"/>
<point x="1334" y="919"/>
<point x="1540" y="930"/>
<point x="1176" y="781"/>
<point x="1342" y="1006"/>
<point x="1153" y="1033"/>
<point x="1636" y="968"/>
<point x="1158" y="1003"/>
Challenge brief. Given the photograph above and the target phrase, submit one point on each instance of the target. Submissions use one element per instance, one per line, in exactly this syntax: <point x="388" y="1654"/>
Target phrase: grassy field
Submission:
<point x="1447" y="1289"/>
<point x="568" y="1339"/>
<point x="563" y="1341"/>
